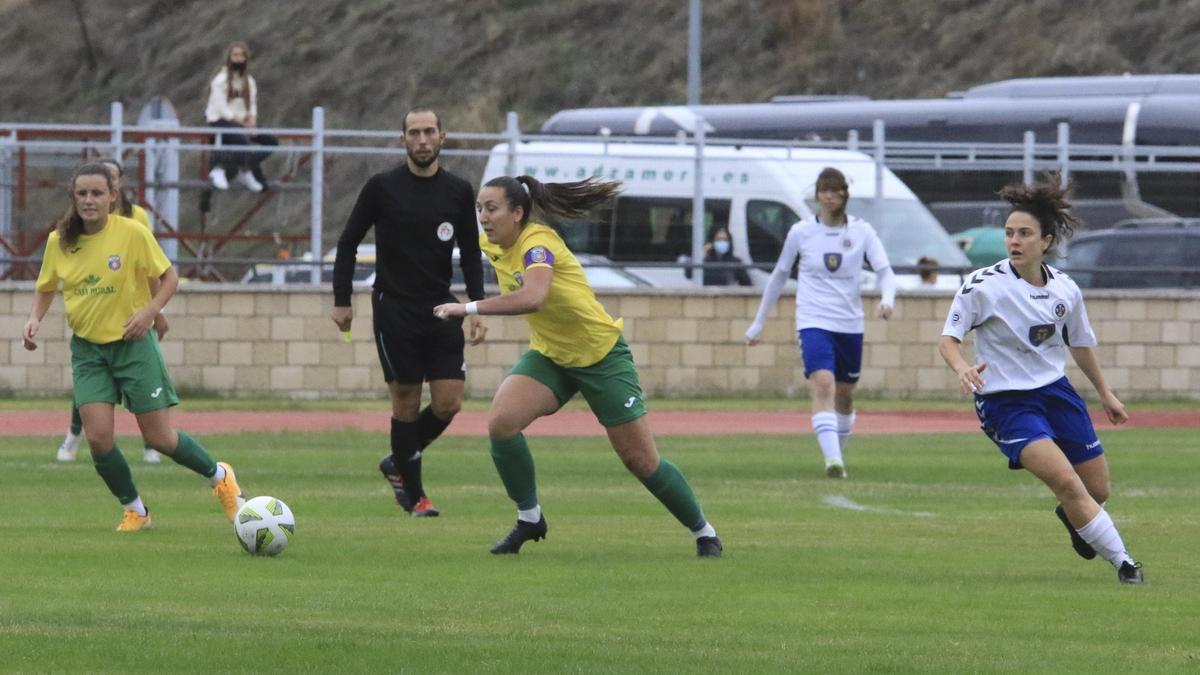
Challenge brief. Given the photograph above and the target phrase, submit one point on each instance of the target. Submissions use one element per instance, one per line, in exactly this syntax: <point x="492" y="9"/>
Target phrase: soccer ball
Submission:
<point x="264" y="526"/>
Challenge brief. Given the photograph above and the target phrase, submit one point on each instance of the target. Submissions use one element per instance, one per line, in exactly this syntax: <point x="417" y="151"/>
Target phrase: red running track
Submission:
<point x="569" y="422"/>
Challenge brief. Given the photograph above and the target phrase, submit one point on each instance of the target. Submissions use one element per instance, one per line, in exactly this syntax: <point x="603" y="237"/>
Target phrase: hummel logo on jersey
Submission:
<point x="90" y="280"/>
<point x="156" y="392"/>
<point x="1042" y="296"/>
<point x="979" y="405"/>
<point x="630" y="402"/>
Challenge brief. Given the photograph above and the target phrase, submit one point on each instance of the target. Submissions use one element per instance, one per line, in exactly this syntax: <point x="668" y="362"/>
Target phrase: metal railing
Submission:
<point x="159" y="146"/>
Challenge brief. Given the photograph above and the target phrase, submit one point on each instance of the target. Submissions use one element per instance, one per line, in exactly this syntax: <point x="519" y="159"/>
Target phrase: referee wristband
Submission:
<point x="472" y="308"/>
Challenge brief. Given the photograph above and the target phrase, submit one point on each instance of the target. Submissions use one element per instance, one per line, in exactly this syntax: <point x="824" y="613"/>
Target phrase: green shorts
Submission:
<point x="610" y="386"/>
<point x="130" y="372"/>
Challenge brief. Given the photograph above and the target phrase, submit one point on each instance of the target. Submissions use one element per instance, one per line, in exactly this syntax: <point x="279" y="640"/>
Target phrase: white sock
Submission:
<point x="218" y="476"/>
<point x="825" y="426"/>
<point x="845" y="424"/>
<point x="530" y="515"/>
<point x="1102" y="535"/>
<point x="706" y="531"/>
<point x="136" y="506"/>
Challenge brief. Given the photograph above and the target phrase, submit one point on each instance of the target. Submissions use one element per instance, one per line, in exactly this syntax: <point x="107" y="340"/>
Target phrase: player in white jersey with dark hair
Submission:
<point x="1026" y="316"/>
<point x="832" y="248"/>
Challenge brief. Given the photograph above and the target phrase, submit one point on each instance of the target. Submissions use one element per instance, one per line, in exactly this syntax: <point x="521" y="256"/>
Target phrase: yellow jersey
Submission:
<point x="139" y="214"/>
<point x="103" y="277"/>
<point x="571" y="329"/>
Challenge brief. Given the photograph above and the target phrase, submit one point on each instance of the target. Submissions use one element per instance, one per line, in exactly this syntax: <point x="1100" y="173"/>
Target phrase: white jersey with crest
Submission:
<point x="828" y="285"/>
<point x="1022" y="331"/>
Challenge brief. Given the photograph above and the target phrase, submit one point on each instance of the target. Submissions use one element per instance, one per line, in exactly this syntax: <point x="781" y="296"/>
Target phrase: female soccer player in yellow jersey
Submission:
<point x="122" y="206"/>
<point x="103" y="262"/>
<point x="575" y="346"/>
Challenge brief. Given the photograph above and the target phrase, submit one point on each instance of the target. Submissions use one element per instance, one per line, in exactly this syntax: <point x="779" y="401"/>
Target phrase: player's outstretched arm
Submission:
<point x="525" y="300"/>
<point x="1085" y="358"/>
<point x="969" y="376"/>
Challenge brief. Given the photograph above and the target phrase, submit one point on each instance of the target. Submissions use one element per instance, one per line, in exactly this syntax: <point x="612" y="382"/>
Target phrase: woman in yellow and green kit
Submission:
<point x="103" y="263"/>
<point x="575" y="347"/>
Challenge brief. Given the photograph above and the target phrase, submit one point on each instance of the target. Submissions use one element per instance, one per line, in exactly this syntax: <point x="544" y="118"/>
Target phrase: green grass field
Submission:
<point x="959" y="565"/>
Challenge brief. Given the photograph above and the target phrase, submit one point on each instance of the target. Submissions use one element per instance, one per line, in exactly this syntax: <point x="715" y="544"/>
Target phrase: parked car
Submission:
<point x="1147" y="253"/>
<point x="364" y="269"/>
<point x="983" y="245"/>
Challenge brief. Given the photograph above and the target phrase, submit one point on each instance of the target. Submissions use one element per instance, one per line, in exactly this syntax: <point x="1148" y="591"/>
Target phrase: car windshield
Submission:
<point x="907" y="229"/>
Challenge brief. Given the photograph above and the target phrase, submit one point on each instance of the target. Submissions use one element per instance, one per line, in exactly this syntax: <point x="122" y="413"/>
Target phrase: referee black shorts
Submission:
<point x="413" y="344"/>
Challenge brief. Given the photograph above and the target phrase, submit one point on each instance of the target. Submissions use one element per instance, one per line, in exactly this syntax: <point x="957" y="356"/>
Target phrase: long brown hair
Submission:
<point x="244" y="91"/>
<point x="1046" y="201"/>
<point x="70" y="226"/>
<point x="562" y="200"/>
<point x="124" y="203"/>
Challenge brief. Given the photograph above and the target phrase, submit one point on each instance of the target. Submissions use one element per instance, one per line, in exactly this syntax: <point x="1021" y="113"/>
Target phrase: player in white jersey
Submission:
<point x="829" y="315"/>
<point x="1026" y="316"/>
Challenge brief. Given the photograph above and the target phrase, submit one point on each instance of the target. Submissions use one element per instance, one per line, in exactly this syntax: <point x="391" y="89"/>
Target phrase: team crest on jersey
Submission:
<point x="833" y="261"/>
<point x="1060" y="309"/>
<point x="114" y="262"/>
<point x="445" y="232"/>
<point x="1040" y="333"/>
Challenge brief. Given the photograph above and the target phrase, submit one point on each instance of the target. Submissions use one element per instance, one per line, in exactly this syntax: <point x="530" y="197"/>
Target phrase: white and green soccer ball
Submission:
<point x="264" y="526"/>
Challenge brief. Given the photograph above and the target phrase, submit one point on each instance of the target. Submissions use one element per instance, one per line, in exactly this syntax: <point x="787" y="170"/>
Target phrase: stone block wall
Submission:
<point x="238" y="341"/>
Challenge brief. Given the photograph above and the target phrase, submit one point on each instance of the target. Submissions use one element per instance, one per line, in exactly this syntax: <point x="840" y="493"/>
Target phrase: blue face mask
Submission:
<point x="721" y="246"/>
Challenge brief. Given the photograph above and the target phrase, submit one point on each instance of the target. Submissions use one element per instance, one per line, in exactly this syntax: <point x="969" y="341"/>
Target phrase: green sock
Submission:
<point x="191" y="454"/>
<point x="114" y="471"/>
<point x="514" y="463"/>
<point x="672" y="489"/>
<point x="76" y="420"/>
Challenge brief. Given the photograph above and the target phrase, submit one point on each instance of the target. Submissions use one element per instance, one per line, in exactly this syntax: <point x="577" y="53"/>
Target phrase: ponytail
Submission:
<point x="555" y="200"/>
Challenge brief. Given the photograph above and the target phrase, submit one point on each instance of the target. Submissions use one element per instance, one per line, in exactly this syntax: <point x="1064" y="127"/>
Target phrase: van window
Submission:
<point x="649" y="228"/>
<point x="767" y="225"/>
<point x="587" y="236"/>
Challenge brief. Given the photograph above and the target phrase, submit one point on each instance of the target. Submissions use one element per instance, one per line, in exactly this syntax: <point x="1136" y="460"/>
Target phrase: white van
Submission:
<point x="757" y="193"/>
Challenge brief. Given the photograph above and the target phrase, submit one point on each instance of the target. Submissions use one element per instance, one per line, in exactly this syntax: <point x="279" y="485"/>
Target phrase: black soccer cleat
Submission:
<point x="709" y="547"/>
<point x="388" y="468"/>
<point x="1130" y="573"/>
<point x="523" y="532"/>
<point x="1081" y="547"/>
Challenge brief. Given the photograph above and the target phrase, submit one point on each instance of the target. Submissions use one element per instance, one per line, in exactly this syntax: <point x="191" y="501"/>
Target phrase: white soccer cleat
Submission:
<point x="69" y="447"/>
<point x="218" y="178"/>
<point x="835" y="469"/>
<point x="151" y="456"/>
<point x="246" y="178"/>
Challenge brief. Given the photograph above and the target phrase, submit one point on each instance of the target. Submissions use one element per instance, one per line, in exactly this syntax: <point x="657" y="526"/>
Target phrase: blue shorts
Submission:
<point x="1014" y="419"/>
<point x="826" y="350"/>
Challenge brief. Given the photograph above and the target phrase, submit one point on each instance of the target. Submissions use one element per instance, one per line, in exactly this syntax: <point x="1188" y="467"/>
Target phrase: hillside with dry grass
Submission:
<point x="475" y="59"/>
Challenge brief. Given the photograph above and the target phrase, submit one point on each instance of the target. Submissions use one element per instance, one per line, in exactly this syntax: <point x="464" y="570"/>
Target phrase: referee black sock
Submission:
<point x="430" y="426"/>
<point x="405" y="443"/>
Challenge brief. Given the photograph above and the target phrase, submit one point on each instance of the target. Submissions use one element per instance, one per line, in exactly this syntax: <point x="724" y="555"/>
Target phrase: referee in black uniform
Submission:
<point x="419" y="212"/>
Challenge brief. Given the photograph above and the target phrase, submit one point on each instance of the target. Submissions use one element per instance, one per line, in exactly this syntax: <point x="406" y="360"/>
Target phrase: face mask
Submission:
<point x="721" y="246"/>
<point x="238" y="68"/>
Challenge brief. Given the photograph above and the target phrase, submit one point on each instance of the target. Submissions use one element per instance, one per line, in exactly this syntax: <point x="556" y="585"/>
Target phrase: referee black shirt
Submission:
<point x="417" y="223"/>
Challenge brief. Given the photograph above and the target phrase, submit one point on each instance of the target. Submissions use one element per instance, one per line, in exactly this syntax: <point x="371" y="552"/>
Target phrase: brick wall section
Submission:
<point x="235" y="341"/>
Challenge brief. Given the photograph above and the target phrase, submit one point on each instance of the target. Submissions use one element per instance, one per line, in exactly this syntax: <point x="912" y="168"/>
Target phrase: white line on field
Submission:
<point x="841" y="502"/>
